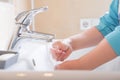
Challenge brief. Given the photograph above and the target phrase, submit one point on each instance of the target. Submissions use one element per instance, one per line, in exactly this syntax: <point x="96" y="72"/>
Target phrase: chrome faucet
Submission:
<point x="24" y="20"/>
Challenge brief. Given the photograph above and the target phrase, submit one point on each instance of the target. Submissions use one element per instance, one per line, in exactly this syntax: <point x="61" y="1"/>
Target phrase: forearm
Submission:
<point x="98" y="56"/>
<point x="86" y="39"/>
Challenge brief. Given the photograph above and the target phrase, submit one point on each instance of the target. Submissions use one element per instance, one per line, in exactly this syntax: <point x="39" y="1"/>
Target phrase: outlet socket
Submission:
<point x="87" y="23"/>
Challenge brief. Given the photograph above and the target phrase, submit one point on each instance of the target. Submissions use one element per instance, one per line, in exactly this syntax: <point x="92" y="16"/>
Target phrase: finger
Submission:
<point x="61" y="48"/>
<point x="55" y="53"/>
<point x="67" y="53"/>
<point x="60" y="45"/>
<point x="61" y="57"/>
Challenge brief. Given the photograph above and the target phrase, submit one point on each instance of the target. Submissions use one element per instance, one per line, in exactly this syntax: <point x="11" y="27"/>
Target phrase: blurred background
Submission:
<point x="63" y="17"/>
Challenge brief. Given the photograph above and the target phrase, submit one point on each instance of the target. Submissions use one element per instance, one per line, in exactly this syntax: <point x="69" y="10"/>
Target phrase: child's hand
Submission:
<point x="61" y="50"/>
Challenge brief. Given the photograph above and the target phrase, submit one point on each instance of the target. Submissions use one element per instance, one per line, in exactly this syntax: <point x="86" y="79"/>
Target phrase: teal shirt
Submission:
<point x="109" y="26"/>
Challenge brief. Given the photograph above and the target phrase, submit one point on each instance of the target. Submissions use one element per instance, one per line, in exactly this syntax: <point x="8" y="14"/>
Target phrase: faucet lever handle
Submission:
<point x="25" y="15"/>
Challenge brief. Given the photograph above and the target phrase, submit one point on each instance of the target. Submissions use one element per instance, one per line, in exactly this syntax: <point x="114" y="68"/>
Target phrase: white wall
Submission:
<point x="7" y="24"/>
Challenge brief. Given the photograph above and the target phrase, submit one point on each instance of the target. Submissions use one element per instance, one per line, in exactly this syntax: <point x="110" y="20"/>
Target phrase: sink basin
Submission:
<point x="33" y="55"/>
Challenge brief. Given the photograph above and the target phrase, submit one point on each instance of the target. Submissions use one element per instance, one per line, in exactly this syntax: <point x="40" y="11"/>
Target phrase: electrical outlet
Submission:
<point x="87" y="23"/>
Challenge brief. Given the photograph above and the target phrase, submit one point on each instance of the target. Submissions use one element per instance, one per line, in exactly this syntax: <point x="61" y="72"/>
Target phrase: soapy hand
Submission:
<point x="61" y="50"/>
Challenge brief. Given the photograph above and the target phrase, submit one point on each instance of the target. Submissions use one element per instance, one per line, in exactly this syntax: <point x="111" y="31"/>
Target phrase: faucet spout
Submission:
<point x="24" y="20"/>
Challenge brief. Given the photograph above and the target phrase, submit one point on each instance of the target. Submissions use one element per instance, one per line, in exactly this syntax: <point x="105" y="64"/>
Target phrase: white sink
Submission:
<point x="35" y="55"/>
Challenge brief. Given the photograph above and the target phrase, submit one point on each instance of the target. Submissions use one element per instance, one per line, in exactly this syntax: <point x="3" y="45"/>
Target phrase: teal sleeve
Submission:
<point x="114" y="40"/>
<point x="110" y="20"/>
<point x="109" y="27"/>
